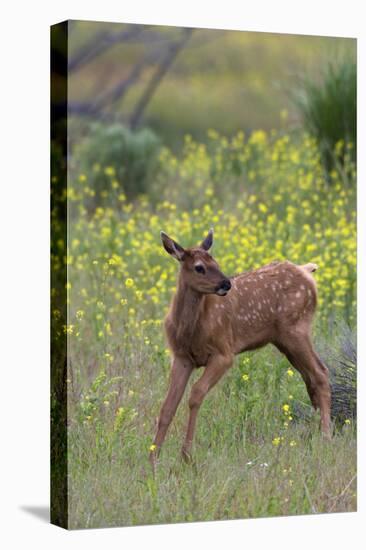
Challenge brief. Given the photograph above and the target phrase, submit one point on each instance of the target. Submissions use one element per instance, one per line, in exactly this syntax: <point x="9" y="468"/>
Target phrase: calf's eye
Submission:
<point x="199" y="269"/>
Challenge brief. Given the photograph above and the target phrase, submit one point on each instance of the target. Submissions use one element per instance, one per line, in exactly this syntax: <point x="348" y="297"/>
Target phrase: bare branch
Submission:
<point x="100" y="43"/>
<point x="159" y="74"/>
<point x="122" y="87"/>
<point x="96" y="108"/>
<point x="164" y="56"/>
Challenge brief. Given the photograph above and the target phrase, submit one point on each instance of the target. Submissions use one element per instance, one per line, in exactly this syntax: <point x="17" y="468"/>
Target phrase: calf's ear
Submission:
<point x="208" y="241"/>
<point x="172" y="247"/>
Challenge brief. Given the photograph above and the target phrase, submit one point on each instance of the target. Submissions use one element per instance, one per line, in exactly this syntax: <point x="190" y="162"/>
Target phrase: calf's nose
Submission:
<point x="226" y="284"/>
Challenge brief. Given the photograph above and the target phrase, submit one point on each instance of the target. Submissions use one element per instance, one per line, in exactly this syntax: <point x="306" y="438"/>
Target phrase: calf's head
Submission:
<point x="198" y="268"/>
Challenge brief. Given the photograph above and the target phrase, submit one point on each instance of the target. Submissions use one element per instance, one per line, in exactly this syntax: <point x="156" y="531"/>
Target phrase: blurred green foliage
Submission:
<point x="328" y="109"/>
<point x="114" y="150"/>
<point x="226" y="80"/>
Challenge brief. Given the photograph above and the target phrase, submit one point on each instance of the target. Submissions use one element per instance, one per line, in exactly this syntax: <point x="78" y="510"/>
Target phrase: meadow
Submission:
<point x="258" y="451"/>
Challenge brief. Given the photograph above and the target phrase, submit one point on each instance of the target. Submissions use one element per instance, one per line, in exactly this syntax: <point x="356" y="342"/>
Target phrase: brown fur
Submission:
<point x="274" y="304"/>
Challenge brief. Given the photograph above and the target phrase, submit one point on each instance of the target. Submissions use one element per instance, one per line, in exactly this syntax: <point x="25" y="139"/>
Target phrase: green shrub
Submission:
<point x="343" y="371"/>
<point x="340" y="356"/>
<point x="328" y="111"/>
<point x="117" y="154"/>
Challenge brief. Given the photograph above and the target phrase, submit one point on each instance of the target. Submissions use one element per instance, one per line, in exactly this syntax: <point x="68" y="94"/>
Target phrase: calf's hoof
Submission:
<point x="327" y="435"/>
<point x="153" y="459"/>
<point x="186" y="455"/>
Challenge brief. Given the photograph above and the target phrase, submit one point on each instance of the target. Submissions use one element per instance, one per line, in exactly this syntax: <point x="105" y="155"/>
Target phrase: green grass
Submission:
<point x="237" y="470"/>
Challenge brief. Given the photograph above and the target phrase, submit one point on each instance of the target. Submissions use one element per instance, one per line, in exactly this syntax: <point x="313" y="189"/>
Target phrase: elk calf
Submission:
<point x="212" y="318"/>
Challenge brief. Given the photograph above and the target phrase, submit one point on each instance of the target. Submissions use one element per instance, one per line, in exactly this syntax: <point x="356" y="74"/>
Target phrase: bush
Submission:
<point x="116" y="154"/>
<point x="328" y="110"/>
<point x="340" y="356"/>
<point x="343" y="371"/>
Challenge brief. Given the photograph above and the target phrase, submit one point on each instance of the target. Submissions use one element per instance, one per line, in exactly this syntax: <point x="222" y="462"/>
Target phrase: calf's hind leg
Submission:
<point x="299" y="351"/>
<point x="297" y="365"/>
